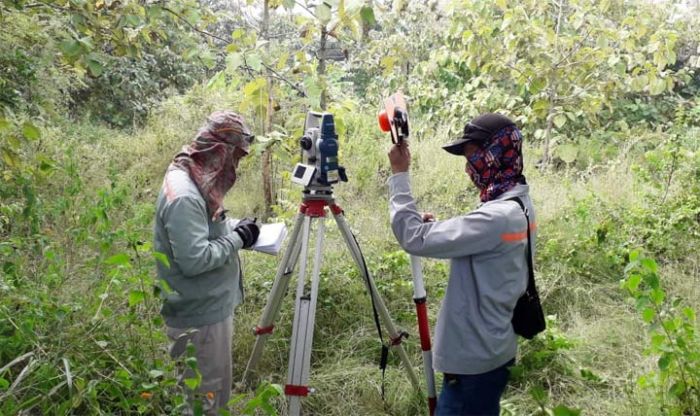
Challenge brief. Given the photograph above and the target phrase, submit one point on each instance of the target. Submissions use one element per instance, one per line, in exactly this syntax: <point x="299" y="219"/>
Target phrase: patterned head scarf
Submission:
<point x="212" y="157"/>
<point x="498" y="165"/>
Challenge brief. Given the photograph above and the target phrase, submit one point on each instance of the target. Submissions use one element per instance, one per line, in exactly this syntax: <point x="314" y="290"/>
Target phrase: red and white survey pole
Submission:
<point x="420" y="299"/>
<point x="394" y="118"/>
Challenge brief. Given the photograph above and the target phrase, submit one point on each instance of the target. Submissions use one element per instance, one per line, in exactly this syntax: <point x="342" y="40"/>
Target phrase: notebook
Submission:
<point x="270" y="239"/>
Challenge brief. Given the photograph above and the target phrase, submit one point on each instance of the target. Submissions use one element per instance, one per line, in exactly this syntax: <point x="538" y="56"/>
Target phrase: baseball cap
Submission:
<point x="480" y="130"/>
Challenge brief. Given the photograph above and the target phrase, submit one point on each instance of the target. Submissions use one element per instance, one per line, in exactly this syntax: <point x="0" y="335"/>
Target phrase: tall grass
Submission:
<point x="110" y="334"/>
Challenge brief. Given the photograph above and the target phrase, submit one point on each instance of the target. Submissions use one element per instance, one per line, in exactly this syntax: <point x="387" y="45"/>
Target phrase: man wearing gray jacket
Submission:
<point x="474" y="338"/>
<point x="202" y="283"/>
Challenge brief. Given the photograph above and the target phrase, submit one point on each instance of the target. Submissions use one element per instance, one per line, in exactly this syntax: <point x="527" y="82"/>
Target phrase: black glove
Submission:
<point x="248" y="230"/>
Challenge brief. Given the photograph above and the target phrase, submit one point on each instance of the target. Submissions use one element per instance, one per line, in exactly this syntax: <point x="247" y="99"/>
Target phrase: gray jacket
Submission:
<point x="205" y="273"/>
<point x="488" y="273"/>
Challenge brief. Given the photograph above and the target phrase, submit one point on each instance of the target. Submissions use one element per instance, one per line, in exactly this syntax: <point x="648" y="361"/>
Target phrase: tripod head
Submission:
<point x="319" y="168"/>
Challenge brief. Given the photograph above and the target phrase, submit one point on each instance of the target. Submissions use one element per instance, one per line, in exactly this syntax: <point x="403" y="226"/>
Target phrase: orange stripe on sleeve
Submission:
<point x="513" y="237"/>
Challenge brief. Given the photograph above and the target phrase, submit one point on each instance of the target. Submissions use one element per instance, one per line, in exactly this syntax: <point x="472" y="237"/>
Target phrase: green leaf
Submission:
<point x="9" y="157"/>
<point x="657" y="341"/>
<point x="136" y="297"/>
<point x="253" y="86"/>
<point x="648" y="315"/>
<point x="4" y="124"/>
<point x="562" y="410"/>
<point x="323" y="13"/>
<point x="657" y="86"/>
<point x="567" y="152"/>
<point x="238" y="34"/>
<point x="207" y="58"/>
<point x="664" y="361"/>
<point x="560" y="120"/>
<point x="254" y="61"/>
<point x="652" y="279"/>
<point x="313" y="91"/>
<point x="95" y="67"/>
<point x="650" y="265"/>
<point x="234" y="61"/>
<point x="45" y="166"/>
<point x="30" y="131"/>
<point x="539" y="394"/>
<point x="367" y="14"/>
<point x="537" y="85"/>
<point x="677" y="389"/>
<point x="131" y="20"/>
<point x="288" y="4"/>
<point x="70" y="48"/>
<point x="192" y="383"/>
<point x="4" y="384"/>
<point x="657" y="296"/>
<point x="162" y="258"/>
<point x="634" y="256"/>
<point x="217" y="82"/>
<point x="120" y="259"/>
<point x="589" y="375"/>
<point x="689" y="314"/>
<point x="161" y="285"/>
<point x="155" y="373"/>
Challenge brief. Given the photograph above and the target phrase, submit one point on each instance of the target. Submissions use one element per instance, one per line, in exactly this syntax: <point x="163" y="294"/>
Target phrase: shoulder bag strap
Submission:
<point x="530" y="270"/>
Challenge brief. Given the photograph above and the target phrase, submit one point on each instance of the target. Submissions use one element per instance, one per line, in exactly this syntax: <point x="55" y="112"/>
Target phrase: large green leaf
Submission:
<point x="136" y="297"/>
<point x="562" y="410"/>
<point x="120" y="259"/>
<point x="9" y="157"/>
<point x="254" y="61"/>
<point x="30" y="131"/>
<point x="233" y="61"/>
<point x="560" y="120"/>
<point x="367" y="14"/>
<point x="95" y="67"/>
<point x="162" y="258"/>
<point x="567" y="152"/>
<point x="70" y="48"/>
<point x="323" y="13"/>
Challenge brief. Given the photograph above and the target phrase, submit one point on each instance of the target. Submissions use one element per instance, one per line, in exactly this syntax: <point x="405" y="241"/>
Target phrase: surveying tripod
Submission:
<point x="313" y="209"/>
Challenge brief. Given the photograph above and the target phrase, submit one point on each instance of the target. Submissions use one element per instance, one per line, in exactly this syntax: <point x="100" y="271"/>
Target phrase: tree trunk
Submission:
<point x="267" y="179"/>
<point x="321" y="71"/>
<point x="546" y="146"/>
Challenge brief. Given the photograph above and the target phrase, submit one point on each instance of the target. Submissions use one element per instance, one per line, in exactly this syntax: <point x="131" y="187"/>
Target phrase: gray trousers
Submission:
<point x="213" y="351"/>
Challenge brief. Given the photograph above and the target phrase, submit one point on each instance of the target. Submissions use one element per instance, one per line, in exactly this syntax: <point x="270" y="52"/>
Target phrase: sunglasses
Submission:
<point x="248" y="138"/>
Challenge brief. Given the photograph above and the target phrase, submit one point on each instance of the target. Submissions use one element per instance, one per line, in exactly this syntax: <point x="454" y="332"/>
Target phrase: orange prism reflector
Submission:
<point x="383" y="119"/>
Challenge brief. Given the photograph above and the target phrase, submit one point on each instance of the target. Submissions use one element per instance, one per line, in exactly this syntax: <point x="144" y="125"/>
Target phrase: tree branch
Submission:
<point x="205" y="33"/>
<point x="285" y="80"/>
<point x="193" y="27"/>
<point x="303" y="6"/>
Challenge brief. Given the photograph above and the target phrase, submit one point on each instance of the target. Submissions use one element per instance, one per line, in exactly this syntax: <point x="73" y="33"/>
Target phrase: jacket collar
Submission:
<point x="518" y="190"/>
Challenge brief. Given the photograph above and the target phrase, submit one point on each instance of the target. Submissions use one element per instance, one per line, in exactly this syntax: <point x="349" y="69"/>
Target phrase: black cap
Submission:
<point x="480" y="129"/>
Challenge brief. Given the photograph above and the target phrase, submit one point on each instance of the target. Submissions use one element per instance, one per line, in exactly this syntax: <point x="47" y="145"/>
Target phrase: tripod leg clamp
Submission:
<point x="261" y="331"/>
<point x="398" y="339"/>
<point x="293" y="390"/>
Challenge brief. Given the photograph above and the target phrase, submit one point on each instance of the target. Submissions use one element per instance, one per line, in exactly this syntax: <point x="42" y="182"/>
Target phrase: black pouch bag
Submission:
<point x="528" y="317"/>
